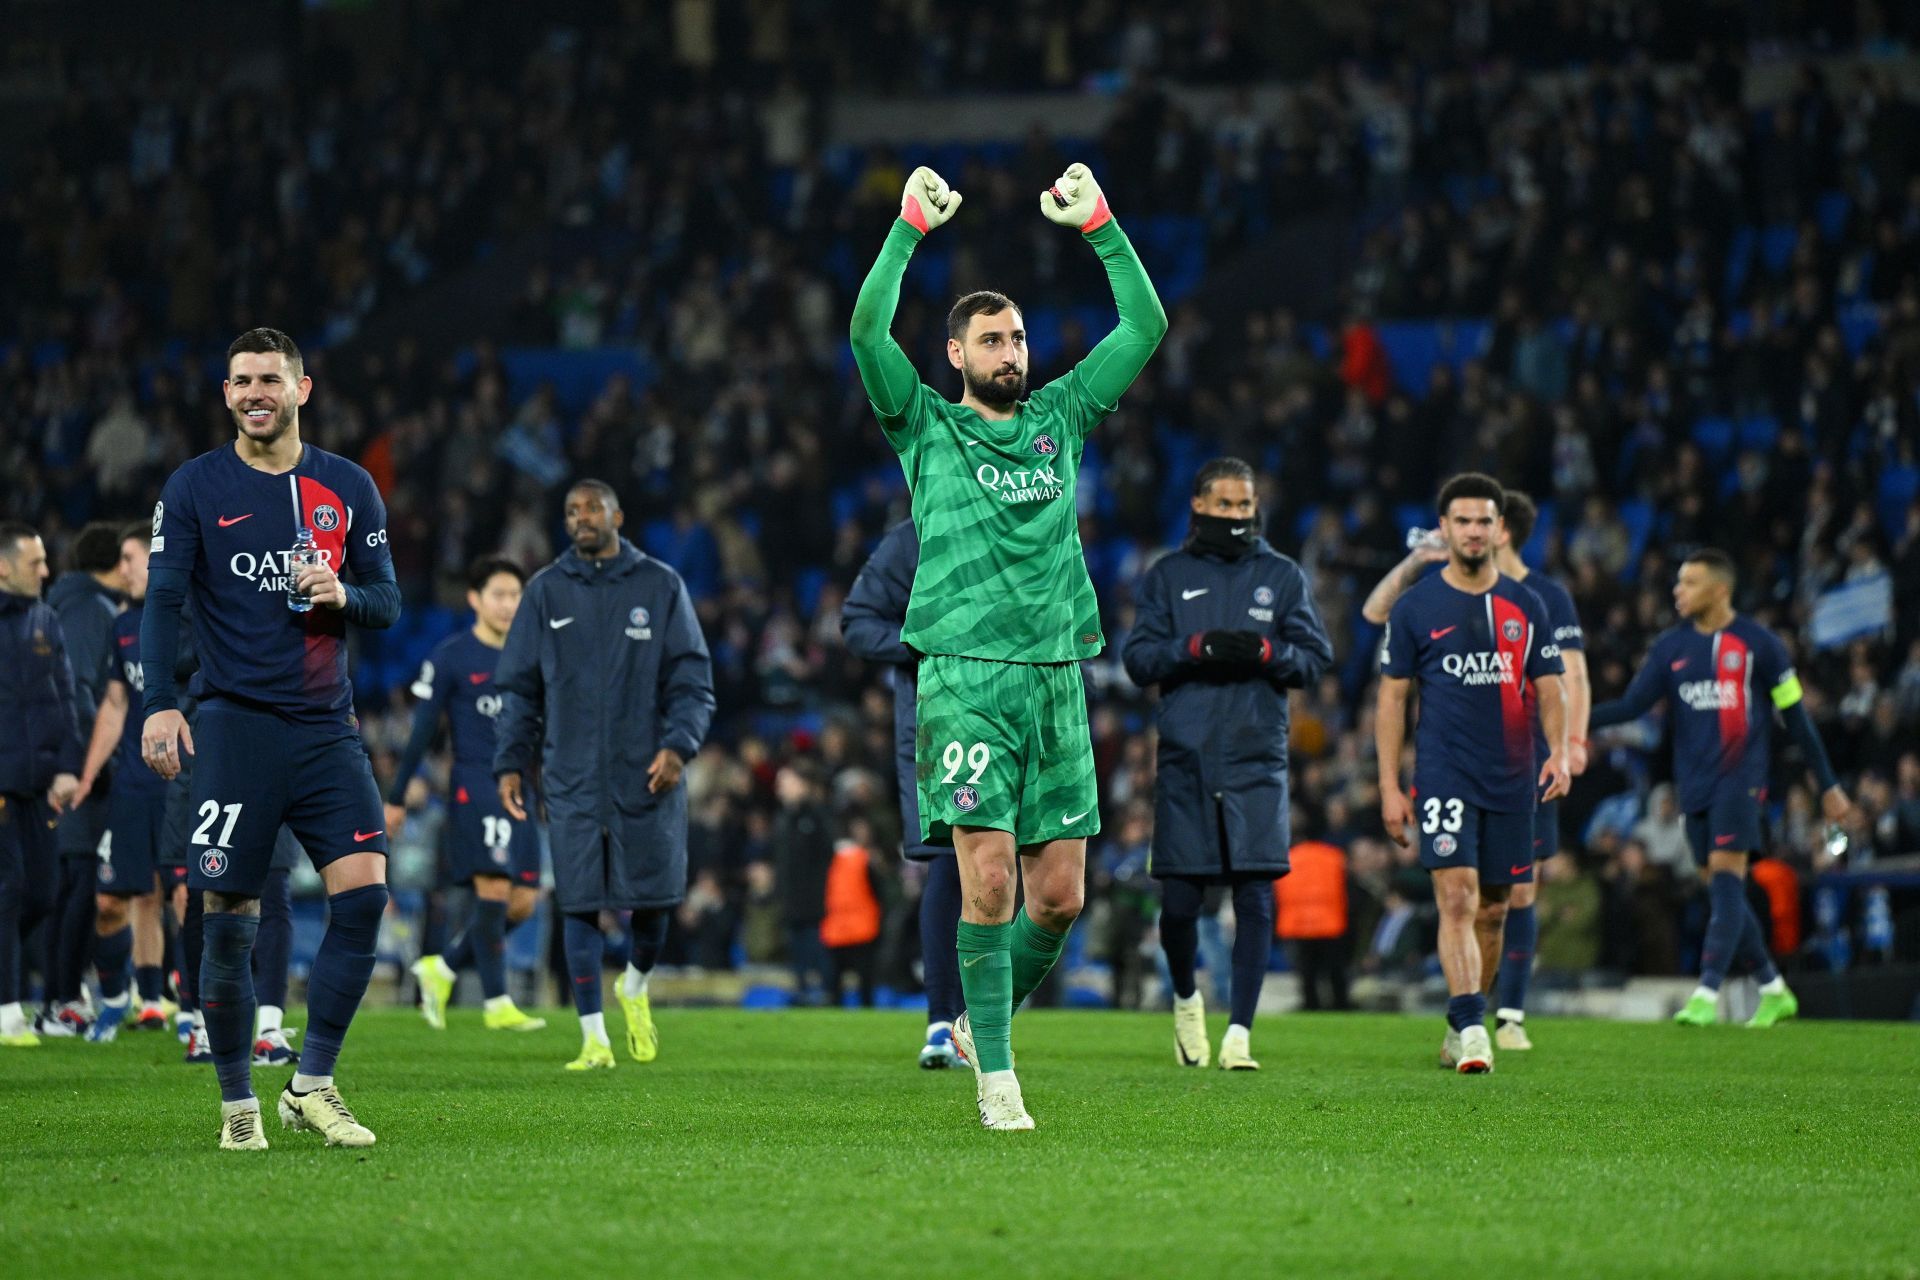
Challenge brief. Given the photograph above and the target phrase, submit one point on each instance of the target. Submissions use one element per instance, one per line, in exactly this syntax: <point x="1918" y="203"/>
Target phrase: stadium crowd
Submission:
<point x="1692" y="323"/>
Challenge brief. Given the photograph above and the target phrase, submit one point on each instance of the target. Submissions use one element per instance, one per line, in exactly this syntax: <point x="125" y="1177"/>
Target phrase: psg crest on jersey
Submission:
<point x="1263" y="596"/>
<point x="638" y="618"/>
<point x="1512" y="630"/>
<point x="213" y="863"/>
<point x="1731" y="662"/>
<point x="1444" y="845"/>
<point x="965" y="799"/>
<point x="325" y="518"/>
<point x="1045" y="446"/>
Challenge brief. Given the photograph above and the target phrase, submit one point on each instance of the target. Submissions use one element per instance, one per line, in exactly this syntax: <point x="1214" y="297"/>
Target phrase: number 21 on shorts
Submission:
<point x="975" y="757"/>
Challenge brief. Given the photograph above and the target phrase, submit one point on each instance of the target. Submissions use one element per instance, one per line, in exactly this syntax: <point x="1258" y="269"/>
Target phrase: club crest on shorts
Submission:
<point x="1444" y="845"/>
<point x="499" y="856"/>
<point x="1512" y="630"/>
<point x="213" y="863"/>
<point x="965" y="799"/>
<point x="1045" y="446"/>
<point x="1263" y="596"/>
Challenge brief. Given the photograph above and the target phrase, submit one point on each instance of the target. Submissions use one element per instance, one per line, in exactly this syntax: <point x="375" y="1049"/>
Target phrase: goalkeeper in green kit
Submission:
<point x="1002" y="610"/>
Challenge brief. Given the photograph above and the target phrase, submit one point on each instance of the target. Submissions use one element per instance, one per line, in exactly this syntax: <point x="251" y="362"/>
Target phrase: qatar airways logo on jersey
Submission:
<point x="1038" y="485"/>
<point x="1710" y="695"/>
<point x="272" y="570"/>
<point x="1479" y="668"/>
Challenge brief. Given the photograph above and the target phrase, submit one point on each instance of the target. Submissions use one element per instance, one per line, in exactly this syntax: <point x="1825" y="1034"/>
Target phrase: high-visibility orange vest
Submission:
<point x="1311" y="900"/>
<point x="853" y="912"/>
<point x="1782" y="887"/>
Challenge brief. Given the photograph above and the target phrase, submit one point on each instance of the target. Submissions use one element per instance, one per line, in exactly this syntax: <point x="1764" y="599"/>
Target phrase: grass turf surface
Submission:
<point x="807" y="1143"/>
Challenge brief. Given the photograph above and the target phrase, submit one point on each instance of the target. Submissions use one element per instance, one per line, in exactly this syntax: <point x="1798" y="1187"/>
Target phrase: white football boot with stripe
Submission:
<point x="1190" y="1047"/>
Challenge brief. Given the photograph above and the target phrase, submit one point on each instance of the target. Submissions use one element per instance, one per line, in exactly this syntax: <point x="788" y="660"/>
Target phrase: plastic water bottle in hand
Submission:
<point x="303" y="554"/>
<point x="1432" y="539"/>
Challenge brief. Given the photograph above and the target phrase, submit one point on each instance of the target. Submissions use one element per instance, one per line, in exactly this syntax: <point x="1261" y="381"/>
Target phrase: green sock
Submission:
<point x="1035" y="950"/>
<point x="986" y="980"/>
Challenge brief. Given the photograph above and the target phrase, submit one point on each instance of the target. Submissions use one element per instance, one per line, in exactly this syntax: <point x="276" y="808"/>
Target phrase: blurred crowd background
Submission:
<point x="1657" y="265"/>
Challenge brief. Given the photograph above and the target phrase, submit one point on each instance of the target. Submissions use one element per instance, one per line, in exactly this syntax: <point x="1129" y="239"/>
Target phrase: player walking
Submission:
<point x="255" y="533"/>
<point x="496" y="853"/>
<point x="1479" y="645"/>
<point x="1002" y="609"/>
<point x="1707" y="670"/>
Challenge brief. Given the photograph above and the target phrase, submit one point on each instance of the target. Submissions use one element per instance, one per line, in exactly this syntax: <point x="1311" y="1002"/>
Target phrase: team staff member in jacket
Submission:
<point x="1225" y="626"/>
<point x="40" y="757"/>
<point x="607" y="677"/>
<point x="870" y="620"/>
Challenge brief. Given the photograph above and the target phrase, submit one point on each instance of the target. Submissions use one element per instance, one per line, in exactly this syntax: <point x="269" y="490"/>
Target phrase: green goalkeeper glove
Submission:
<point x="928" y="201"/>
<point x="1075" y="200"/>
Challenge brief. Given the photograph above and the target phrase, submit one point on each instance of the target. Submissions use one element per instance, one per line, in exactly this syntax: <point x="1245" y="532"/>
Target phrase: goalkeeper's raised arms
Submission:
<point x="1075" y="200"/>
<point x="928" y="201"/>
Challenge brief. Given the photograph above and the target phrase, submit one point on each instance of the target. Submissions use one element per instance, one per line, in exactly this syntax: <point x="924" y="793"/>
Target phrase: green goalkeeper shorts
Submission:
<point x="1004" y="745"/>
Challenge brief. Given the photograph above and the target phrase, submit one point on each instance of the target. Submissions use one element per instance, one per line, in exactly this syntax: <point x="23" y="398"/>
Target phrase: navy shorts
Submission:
<point x="1546" y="830"/>
<point x="483" y="839"/>
<point x="255" y="771"/>
<point x="1454" y="833"/>
<point x="136" y="831"/>
<point x="1730" y="824"/>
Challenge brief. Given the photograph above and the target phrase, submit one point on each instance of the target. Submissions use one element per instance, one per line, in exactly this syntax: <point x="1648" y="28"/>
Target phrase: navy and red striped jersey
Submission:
<point x="130" y="769"/>
<point x="1563" y="628"/>
<point x="231" y="529"/>
<point x="457" y="680"/>
<point x="1721" y="688"/>
<point x="1475" y="658"/>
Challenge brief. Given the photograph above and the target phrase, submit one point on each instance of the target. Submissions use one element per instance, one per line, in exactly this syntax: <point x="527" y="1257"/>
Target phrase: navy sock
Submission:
<point x="1726" y="917"/>
<point x="274" y="949"/>
<point x="226" y="997"/>
<point x="939" y="952"/>
<point x="192" y="946"/>
<point x="586" y="952"/>
<point x="1252" y="946"/>
<point x="1466" y="1011"/>
<point x="147" y="981"/>
<point x="649" y="934"/>
<point x="341" y="970"/>
<point x="1752" y="952"/>
<point x="1180" y="931"/>
<point x="1516" y="957"/>
<point x="459" y="953"/>
<point x="71" y="941"/>
<point x="485" y="939"/>
<point x="112" y="952"/>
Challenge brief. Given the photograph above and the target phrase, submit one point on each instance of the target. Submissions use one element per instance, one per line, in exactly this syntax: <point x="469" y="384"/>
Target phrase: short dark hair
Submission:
<point x="265" y="342"/>
<point x="481" y="572"/>
<point x="1220" y="469"/>
<point x="140" y="529"/>
<point x="1718" y="563"/>
<point x="981" y="302"/>
<point x="12" y="534"/>
<point x="96" y="548"/>
<point x="608" y="497"/>
<point x="1521" y="515"/>
<point x="1473" y="484"/>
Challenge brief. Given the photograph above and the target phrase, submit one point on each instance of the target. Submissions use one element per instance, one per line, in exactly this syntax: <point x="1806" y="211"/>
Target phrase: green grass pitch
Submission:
<point x="807" y="1143"/>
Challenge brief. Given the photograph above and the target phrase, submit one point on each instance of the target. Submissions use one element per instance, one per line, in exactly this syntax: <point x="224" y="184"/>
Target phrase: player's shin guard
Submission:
<point x="274" y="947"/>
<point x="1252" y="946"/>
<point x="1516" y="958"/>
<point x="112" y="953"/>
<point x="1727" y="916"/>
<point x="192" y="946"/>
<point x="1752" y="954"/>
<point x="586" y="954"/>
<point x="341" y="970"/>
<point x="986" y="979"/>
<point x="485" y="940"/>
<point x="226" y="998"/>
<point x="1180" y="932"/>
<point x="939" y="922"/>
<point x="1034" y="952"/>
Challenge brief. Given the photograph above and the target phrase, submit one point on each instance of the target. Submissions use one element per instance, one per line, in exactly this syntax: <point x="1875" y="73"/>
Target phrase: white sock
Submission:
<point x="270" y="1015"/>
<point x="1778" y="987"/>
<point x="1704" y="991"/>
<point x="1509" y="1015"/>
<point x="988" y="1079"/>
<point x="121" y="1001"/>
<point x="199" y="1020"/>
<point x="1235" y="1030"/>
<point x="245" y="1104"/>
<point x="933" y="1027"/>
<point x="1186" y="1002"/>
<point x="494" y="1004"/>
<point x="593" y="1028"/>
<point x="634" y="983"/>
<point x="304" y="1083"/>
<point x="13" y="1020"/>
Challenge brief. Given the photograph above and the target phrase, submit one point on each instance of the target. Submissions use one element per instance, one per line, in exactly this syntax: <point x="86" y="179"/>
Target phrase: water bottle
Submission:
<point x="303" y="554"/>
<point x="1418" y="538"/>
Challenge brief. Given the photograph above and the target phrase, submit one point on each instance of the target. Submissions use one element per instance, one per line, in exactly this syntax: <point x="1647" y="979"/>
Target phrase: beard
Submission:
<point x="1474" y="562"/>
<point x="275" y="427"/>
<point x="1000" y="393"/>
<point x="591" y="541"/>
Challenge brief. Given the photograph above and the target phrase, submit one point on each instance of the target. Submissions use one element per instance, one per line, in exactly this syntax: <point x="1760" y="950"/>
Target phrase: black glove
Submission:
<point x="1227" y="648"/>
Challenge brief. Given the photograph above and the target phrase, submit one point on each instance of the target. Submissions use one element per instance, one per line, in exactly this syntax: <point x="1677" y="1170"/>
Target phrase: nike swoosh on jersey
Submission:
<point x="557" y="623"/>
<point x="359" y="835"/>
<point x="1067" y="822"/>
<point x="1241" y="532"/>
<point x="225" y="521"/>
<point x="1435" y="635"/>
<point x="1189" y="595"/>
<point x="1675" y="666"/>
<point x="478" y="677"/>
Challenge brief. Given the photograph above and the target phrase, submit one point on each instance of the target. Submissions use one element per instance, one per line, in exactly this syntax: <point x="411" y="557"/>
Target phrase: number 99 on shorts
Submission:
<point x="956" y="756"/>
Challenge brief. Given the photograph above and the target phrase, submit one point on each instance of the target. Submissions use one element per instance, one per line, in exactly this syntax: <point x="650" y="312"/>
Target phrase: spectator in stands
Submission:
<point x="801" y="848"/>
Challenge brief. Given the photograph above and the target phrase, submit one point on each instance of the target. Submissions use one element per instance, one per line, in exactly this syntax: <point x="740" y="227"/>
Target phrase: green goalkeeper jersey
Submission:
<point x="1002" y="574"/>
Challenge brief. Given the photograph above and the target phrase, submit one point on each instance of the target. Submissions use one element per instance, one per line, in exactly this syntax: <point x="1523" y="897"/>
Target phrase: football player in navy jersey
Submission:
<point x="491" y="850"/>
<point x="1480" y="646"/>
<point x="255" y="534"/>
<point x="1717" y="672"/>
